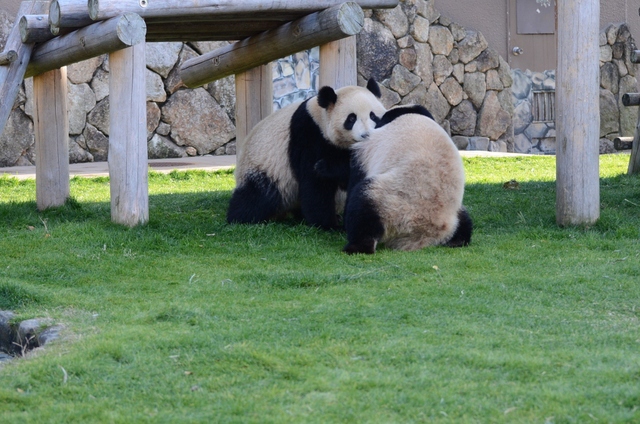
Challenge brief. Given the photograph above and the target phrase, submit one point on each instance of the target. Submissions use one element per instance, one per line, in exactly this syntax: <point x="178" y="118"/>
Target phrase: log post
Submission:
<point x="96" y="39"/>
<point x="634" y="161"/>
<point x="35" y="29"/>
<point x="176" y="10"/>
<point x="631" y="99"/>
<point x="128" y="136"/>
<point x="339" y="63"/>
<point x="51" y="128"/>
<point x="70" y="14"/>
<point x="12" y="74"/>
<point x="7" y="58"/>
<point x="254" y="100"/>
<point x="315" y="29"/>
<point x="578" y="114"/>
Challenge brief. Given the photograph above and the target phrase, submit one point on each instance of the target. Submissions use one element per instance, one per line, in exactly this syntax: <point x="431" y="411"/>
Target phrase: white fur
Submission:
<point x="417" y="181"/>
<point x="266" y="146"/>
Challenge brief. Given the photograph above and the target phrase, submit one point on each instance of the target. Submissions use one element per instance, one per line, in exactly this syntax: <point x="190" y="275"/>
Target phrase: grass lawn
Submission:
<point x="190" y="320"/>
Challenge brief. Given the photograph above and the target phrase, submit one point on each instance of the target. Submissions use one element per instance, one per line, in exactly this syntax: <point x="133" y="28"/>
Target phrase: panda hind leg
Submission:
<point x="362" y="221"/>
<point x="255" y="201"/>
<point x="462" y="235"/>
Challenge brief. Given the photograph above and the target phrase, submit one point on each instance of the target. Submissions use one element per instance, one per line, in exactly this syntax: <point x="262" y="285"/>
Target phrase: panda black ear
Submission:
<point x="327" y="97"/>
<point x="373" y="86"/>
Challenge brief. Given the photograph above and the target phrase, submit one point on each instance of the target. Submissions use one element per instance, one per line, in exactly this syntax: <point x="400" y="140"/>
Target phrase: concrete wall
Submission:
<point x="10" y="6"/>
<point x="490" y="17"/>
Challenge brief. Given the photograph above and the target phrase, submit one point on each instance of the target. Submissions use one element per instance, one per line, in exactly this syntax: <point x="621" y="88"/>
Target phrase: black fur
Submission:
<point x="316" y="192"/>
<point x="257" y="200"/>
<point x="392" y="114"/>
<point x="462" y="236"/>
<point x="373" y="86"/>
<point x="327" y="97"/>
<point x="362" y="221"/>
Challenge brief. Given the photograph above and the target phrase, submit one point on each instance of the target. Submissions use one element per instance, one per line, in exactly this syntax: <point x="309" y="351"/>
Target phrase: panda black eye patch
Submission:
<point x="350" y="121"/>
<point x="374" y="118"/>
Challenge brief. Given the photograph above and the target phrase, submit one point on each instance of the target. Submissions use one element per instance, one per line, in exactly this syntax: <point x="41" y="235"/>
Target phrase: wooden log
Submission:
<point x="338" y="63"/>
<point x="622" y="143"/>
<point x="51" y="129"/>
<point x="315" y="29"/>
<point x="36" y="29"/>
<point x="631" y="99"/>
<point x="173" y="10"/>
<point x="207" y="31"/>
<point x="635" y="56"/>
<point x="71" y="14"/>
<point x="254" y="100"/>
<point x="11" y="75"/>
<point x="97" y="39"/>
<point x="578" y="114"/>
<point x="128" y="136"/>
<point x="8" y="57"/>
<point x="634" y="160"/>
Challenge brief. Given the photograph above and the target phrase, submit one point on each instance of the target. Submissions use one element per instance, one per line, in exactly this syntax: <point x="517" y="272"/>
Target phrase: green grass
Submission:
<point x="190" y="320"/>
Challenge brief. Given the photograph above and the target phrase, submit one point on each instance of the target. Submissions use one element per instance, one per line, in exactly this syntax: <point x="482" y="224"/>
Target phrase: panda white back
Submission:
<point x="415" y="181"/>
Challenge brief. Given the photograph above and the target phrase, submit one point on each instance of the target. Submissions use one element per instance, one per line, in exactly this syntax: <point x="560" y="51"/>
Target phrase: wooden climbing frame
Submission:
<point x="49" y="35"/>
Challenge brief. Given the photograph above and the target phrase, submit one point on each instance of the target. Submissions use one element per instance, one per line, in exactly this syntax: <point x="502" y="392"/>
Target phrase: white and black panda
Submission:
<point x="406" y="186"/>
<point x="275" y="166"/>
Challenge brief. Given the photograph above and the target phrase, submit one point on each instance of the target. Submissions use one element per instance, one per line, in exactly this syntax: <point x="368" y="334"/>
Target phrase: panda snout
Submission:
<point x="364" y="136"/>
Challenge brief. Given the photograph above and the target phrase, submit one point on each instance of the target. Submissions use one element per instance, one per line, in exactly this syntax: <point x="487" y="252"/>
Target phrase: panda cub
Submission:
<point x="275" y="166"/>
<point x="406" y="186"/>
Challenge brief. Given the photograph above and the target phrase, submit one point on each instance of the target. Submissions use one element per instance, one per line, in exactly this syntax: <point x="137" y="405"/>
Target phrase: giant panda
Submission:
<point x="406" y="186"/>
<point x="275" y="166"/>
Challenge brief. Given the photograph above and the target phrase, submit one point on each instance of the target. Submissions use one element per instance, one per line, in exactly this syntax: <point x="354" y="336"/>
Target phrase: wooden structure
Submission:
<point x="76" y="30"/>
<point x="633" y="99"/>
<point x="578" y="113"/>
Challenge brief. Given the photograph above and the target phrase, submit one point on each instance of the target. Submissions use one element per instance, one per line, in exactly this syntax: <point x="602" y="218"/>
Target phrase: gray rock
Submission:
<point x="436" y="103"/>
<point x="100" y="84"/>
<point x="230" y="148"/>
<point x="493" y="80"/>
<point x="606" y="146"/>
<point x="522" y="116"/>
<point x="606" y="53"/>
<point x="504" y="70"/>
<point x="155" y="87"/>
<point x="452" y="91"/>
<point x="628" y="114"/>
<point x="153" y="118"/>
<point x="377" y="51"/>
<point x="173" y="82"/>
<point x="420" y="29"/>
<point x="461" y="142"/>
<point x="77" y="150"/>
<point x="493" y="121"/>
<point x="458" y="72"/>
<point x="82" y="72"/>
<point x="162" y="147"/>
<point x="521" y="87"/>
<point x="17" y="140"/>
<point x="408" y="58"/>
<point x="394" y="19"/>
<point x="197" y="120"/>
<point x="402" y="81"/>
<point x="463" y="119"/>
<point x="6" y="332"/>
<point x="610" y="77"/>
<point x="479" y="143"/>
<point x="476" y="87"/>
<point x="521" y="144"/>
<point x="424" y="63"/>
<point x="442" y="68"/>
<point x="81" y="100"/>
<point x="488" y="59"/>
<point x="389" y="97"/>
<point x="441" y="40"/>
<point x="471" y="46"/>
<point x="609" y="114"/>
<point x="162" y="57"/>
<point x="99" y="116"/>
<point x="97" y="143"/>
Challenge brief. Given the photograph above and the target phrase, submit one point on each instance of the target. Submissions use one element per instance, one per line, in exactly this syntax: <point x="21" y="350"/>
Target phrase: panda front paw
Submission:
<point x="366" y="246"/>
<point x="321" y="168"/>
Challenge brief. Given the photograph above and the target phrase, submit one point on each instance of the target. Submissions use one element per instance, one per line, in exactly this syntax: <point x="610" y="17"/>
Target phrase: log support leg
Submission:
<point x="51" y="128"/>
<point x="338" y="63"/>
<point x="254" y="100"/>
<point x="128" y="137"/>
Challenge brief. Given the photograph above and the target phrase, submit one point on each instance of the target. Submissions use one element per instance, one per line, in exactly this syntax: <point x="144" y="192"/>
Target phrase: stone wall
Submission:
<point x="422" y="57"/>
<point x="416" y="54"/>
<point x="617" y="77"/>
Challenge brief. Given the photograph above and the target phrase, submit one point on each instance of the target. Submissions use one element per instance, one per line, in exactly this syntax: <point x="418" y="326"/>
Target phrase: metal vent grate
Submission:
<point x="544" y="106"/>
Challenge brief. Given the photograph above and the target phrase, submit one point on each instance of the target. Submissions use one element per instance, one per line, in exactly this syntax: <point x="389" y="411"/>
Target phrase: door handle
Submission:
<point x="517" y="51"/>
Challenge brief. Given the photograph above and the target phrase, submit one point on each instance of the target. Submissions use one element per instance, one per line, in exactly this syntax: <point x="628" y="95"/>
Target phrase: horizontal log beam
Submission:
<point x="312" y="30"/>
<point x="91" y="41"/>
<point x="623" y="143"/>
<point x="206" y="31"/>
<point x="8" y="57"/>
<point x="631" y="99"/>
<point x="70" y="14"/>
<point x="34" y="28"/>
<point x="173" y="9"/>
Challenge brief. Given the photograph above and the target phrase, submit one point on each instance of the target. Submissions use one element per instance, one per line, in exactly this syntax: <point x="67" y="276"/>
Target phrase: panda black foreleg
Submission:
<point x="256" y="200"/>
<point x="462" y="235"/>
<point x="318" y="203"/>
<point x="362" y="221"/>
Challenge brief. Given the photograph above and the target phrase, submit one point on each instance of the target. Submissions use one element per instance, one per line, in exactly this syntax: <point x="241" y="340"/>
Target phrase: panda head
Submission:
<point x="349" y="114"/>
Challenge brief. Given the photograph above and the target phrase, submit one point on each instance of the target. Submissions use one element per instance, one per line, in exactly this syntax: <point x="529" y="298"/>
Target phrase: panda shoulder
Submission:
<point x="394" y="113"/>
